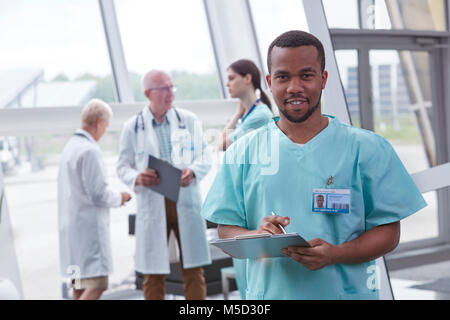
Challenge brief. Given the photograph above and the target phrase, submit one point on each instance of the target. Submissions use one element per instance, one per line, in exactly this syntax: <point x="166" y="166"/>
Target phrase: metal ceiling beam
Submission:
<point x="232" y="34"/>
<point x="334" y="91"/>
<point x="116" y="54"/>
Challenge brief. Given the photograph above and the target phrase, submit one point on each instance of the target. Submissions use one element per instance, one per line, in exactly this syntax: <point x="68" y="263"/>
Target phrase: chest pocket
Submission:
<point x="182" y="147"/>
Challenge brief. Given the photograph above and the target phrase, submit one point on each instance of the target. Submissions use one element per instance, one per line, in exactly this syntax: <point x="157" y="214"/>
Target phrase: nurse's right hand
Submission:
<point x="147" y="178"/>
<point x="270" y="224"/>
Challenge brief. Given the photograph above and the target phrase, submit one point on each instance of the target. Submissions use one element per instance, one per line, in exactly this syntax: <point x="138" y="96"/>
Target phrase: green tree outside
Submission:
<point x="190" y="85"/>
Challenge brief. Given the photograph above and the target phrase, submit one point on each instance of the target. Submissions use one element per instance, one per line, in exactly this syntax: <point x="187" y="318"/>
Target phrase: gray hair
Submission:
<point x="94" y="109"/>
<point x="152" y="76"/>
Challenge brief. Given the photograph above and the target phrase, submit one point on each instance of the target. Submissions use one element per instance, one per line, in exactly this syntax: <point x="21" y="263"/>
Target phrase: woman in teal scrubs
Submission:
<point x="254" y="108"/>
<point x="252" y="112"/>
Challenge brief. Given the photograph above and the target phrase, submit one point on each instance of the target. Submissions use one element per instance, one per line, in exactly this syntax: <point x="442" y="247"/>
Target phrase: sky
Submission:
<point x="67" y="36"/>
<point x="59" y="35"/>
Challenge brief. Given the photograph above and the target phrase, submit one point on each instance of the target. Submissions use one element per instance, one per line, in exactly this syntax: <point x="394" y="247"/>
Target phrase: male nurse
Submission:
<point x="366" y="189"/>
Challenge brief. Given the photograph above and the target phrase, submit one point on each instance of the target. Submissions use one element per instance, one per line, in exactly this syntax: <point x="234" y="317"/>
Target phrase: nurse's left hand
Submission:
<point x="320" y="255"/>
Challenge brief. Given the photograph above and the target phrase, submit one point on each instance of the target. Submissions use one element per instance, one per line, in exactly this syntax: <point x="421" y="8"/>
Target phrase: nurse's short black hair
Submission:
<point x="296" y="38"/>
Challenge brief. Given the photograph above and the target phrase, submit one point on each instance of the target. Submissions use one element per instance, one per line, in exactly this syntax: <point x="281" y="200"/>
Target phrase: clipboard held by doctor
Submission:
<point x="170" y="178"/>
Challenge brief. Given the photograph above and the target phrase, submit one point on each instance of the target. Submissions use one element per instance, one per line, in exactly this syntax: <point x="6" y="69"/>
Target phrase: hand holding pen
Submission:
<point x="281" y="227"/>
<point x="273" y="224"/>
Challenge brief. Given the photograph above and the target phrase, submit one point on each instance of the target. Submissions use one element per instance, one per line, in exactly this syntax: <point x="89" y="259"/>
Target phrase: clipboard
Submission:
<point x="169" y="176"/>
<point x="256" y="246"/>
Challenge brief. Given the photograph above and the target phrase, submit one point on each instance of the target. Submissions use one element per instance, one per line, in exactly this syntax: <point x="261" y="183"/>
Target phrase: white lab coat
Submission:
<point x="84" y="199"/>
<point x="137" y="143"/>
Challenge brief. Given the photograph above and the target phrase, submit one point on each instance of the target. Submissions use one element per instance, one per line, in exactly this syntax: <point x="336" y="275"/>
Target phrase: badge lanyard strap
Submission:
<point x="251" y="109"/>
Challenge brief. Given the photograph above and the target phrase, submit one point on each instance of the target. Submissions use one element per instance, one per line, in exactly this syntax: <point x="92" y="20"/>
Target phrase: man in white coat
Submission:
<point x="84" y="199"/>
<point x="174" y="135"/>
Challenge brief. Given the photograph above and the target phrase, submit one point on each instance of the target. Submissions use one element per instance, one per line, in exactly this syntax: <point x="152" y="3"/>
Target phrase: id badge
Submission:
<point x="331" y="201"/>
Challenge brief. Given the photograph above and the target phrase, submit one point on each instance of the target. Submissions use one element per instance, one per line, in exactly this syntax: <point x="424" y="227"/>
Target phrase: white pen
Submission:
<point x="281" y="227"/>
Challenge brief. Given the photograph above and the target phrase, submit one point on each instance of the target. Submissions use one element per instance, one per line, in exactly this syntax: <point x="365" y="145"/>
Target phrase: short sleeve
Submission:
<point x="389" y="192"/>
<point x="252" y="123"/>
<point x="236" y="133"/>
<point x="258" y="118"/>
<point x="224" y="203"/>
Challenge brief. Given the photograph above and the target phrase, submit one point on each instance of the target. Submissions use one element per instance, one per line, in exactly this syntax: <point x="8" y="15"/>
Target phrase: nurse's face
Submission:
<point x="296" y="81"/>
<point x="237" y="85"/>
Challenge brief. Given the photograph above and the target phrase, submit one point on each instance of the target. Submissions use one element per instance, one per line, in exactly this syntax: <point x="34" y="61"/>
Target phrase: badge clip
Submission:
<point x="330" y="180"/>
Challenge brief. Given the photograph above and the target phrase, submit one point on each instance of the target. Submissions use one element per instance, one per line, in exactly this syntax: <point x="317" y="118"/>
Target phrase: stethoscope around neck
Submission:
<point x="140" y="118"/>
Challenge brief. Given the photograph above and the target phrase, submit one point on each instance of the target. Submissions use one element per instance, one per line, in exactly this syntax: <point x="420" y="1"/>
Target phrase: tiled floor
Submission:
<point x="402" y="282"/>
<point x="401" y="287"/>
<point x="130" y="293"/>
<point x="403" y="291"/>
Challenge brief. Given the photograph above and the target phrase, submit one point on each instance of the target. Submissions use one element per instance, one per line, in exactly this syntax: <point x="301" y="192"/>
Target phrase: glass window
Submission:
<point x="402" y="104"/>
<point x="377" y="16"/>
<point x="413" y="14"/>
<point x="53" y="53"/>
<point x="342" y="14"/>
<point x="386" y="14"/>
<point x="424" y="223"/>
<point x="32" y="203"/>
<point x="402" y="109"/>
<point x="31" y="191"/>
<point x="155" y="36"/>
<point x="347" y="61"/>
<point x="272" y="19"/>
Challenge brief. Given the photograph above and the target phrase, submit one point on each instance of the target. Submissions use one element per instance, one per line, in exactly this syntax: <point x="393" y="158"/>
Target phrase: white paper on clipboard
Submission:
<point x="259" y="246"/>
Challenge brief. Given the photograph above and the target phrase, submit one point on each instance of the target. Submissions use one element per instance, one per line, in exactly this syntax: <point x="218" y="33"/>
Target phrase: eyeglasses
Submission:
<point x="164" y="89"/>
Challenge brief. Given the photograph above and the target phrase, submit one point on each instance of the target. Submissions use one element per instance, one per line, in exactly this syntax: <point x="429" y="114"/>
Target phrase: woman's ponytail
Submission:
<point x="265" y="98"/>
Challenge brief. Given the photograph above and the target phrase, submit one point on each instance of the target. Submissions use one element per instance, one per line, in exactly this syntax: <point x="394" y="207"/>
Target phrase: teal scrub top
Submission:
<point x="260" y="116"/>
<point x="265" y="171"/>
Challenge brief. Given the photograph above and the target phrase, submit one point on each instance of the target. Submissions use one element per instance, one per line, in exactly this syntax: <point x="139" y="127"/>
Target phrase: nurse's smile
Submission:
<point x="296" y="101"/>
<point x="296" y="104"/>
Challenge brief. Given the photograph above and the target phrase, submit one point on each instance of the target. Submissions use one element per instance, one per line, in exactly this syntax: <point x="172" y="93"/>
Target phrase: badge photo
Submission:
<point x="331" y="201"/>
